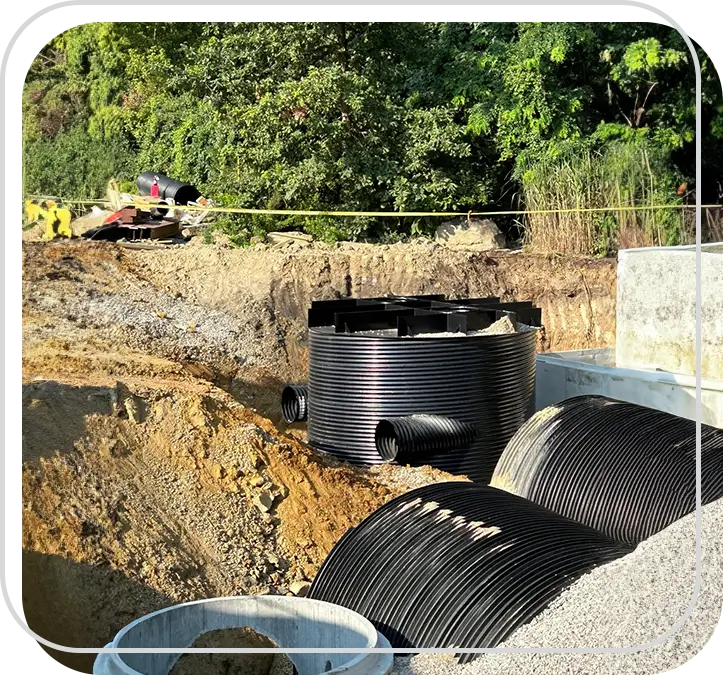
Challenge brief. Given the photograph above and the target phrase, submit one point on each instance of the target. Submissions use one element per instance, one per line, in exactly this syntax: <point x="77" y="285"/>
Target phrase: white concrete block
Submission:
<point x="656" y="310"/>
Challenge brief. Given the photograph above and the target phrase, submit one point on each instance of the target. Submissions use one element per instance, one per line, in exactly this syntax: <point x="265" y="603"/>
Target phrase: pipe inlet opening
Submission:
<point x="294" y="403"/>
<point x="412" y="438"/>
<point x="385" y="438"/>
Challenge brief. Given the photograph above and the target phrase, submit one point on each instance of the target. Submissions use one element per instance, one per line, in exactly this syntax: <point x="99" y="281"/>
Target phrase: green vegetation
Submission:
<point x="382" y="116"/>
<point x="633" y="175"/>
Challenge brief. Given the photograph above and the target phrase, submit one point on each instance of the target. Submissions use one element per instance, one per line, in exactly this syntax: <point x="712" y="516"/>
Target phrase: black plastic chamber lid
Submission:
<point x="405" y="316"/>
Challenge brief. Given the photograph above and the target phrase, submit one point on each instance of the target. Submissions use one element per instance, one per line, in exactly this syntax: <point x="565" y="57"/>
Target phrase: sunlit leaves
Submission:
<point x="354" y="116"/>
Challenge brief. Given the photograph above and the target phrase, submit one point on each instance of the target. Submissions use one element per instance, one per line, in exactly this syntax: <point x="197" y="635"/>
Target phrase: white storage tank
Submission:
<point x="562" y="375"/>
<point x="655" y="310"/>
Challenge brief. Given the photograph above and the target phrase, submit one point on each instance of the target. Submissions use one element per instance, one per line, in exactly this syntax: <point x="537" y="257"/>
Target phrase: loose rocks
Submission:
<point x="300" y="588"/>
<point x="482" y="234"/>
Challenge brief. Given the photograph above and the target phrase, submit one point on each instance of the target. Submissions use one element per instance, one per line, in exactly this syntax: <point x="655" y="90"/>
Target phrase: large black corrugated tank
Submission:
<point x="168" y="188"/>
<point x="626" y="470"/>
<point x="356" y="380"/>
<point x="458" y="564"/>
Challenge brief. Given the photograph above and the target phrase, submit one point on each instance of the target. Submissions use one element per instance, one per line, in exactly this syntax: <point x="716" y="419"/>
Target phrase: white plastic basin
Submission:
<point x="561" y="375"/>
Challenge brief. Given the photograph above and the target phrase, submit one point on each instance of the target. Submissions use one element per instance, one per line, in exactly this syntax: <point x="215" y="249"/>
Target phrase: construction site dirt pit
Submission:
<point x="156" y="465"/>
<point x="194" y="497"/>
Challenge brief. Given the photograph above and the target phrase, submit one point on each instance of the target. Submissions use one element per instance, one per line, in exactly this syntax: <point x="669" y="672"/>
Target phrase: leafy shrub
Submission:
<point x="74" y="165"/>
<point x="380" y="117"/>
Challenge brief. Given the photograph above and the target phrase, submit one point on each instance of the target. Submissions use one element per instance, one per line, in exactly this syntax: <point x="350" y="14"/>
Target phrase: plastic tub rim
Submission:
<point x="372" y="642"/>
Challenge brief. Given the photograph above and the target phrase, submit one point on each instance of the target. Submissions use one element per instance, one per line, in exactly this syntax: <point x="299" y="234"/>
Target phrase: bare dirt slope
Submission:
<point x="145" y="483"/>
<point x="225" y="307"/>
<point x="275" y="286"/>
<point x="155" y="465"/>
<point x="181" y="490"/>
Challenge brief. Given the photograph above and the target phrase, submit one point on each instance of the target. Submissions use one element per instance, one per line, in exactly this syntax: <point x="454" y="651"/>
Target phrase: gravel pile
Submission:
<point x="99" y="294"/>
<point x="500" y="327"/>
<point x="150" y="320"/>
<point x="629" y="602"/>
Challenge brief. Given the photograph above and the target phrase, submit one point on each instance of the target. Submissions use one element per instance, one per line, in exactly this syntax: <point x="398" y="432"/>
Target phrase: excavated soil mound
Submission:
<point x="176" y="494"/>
<point x="238" y="316"/>
<point x="233" y="664"/>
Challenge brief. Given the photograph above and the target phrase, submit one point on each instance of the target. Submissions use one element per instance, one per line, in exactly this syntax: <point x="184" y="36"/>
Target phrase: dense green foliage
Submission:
<point x="362" y="116"/>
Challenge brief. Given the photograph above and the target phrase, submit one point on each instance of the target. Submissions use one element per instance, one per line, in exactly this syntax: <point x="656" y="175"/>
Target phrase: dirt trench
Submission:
<point x="169" y="494"/>
<point x="156" y="467"/>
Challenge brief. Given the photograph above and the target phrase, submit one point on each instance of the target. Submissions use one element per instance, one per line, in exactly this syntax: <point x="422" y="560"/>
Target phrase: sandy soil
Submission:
<point x="233" y="664"/>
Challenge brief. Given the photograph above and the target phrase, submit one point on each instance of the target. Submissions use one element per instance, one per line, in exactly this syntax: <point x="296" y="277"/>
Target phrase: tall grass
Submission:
<point x="622" y="174"/>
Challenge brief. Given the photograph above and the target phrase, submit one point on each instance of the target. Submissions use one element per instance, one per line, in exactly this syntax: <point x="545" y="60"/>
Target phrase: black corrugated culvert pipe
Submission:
<point x="294" y="403"/>
<point x="383" y="358"/>
<point x="410" y="439"/>
<point x="458" y="564"/>
<point x="168" y="188"/>
<point x="626" y="470"/>
<point x="158" y="212"/>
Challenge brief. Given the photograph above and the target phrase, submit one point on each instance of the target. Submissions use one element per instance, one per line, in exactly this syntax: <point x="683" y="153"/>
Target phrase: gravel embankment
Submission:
<point x="629" y="602"/>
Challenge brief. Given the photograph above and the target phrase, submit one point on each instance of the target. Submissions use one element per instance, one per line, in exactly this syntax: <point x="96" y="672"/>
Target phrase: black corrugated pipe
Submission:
<point x="415" y="437"/>
<point x="294" y="405"/>
<point x="158" y="212"/>
<point x="458" y="564"/>
<point x="168" y="188"/>
<point x="626" y="470"/>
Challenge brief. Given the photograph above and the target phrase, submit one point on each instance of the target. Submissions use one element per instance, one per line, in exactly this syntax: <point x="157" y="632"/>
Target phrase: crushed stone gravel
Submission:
<point x="501" y="327"/>
<point x="626" y="603"/>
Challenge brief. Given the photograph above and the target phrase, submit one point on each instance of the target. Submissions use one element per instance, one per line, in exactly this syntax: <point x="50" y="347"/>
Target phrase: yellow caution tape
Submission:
<point x="400" y="214"/>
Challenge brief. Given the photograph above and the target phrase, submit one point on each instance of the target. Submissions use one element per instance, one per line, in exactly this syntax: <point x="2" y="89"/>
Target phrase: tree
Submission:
<point x="357" y="116"/>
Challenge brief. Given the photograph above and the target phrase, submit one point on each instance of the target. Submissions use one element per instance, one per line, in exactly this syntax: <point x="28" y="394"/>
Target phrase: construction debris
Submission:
<point x="126" y="219"/>
<point x="131" y="223"/>
<point x="286" y="238"/>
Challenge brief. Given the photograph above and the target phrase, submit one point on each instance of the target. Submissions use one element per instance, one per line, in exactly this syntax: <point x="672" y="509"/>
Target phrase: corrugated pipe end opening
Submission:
<point x="158" y="212"/>
<point x="294" y="403"/>
<point x="411" y="438"/>
<point x="385" y="437"/>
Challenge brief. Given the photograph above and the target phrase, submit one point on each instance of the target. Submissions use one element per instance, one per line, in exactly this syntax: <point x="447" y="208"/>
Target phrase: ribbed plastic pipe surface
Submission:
<point x="294" y="406"/>
<point x="624" y="469"/>
<point x="356" y="380"/>
<point x="409" y="440"/>
<point x="457" y="564"/>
